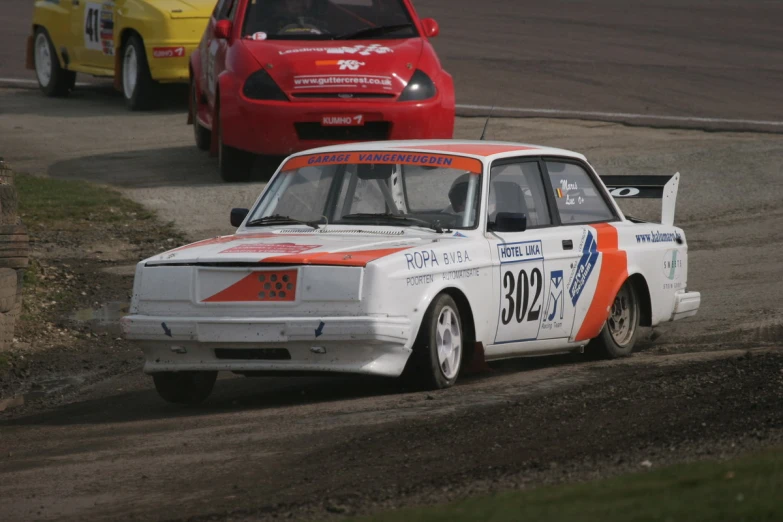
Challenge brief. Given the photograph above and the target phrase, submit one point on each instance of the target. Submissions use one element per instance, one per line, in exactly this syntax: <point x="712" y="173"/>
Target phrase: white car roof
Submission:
<point x="482" y="150"/>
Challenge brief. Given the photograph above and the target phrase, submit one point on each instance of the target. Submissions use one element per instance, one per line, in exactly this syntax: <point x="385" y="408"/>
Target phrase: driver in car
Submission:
<point x="294" y="16"/>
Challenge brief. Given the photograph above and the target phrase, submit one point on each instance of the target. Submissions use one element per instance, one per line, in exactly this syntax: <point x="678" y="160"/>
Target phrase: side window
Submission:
<point x="224" y="10"/>
<point x="518" y="187"/>
<point x="578" y="200"/>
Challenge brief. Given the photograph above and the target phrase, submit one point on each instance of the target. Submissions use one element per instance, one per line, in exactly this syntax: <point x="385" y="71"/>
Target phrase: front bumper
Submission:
<point x="283" y="128"/>
<point x="365" y="345"/>
<point x="686" y="304"/>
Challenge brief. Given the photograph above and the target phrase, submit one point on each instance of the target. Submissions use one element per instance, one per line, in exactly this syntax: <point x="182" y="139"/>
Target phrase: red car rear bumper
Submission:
<point x="282" y="128"/>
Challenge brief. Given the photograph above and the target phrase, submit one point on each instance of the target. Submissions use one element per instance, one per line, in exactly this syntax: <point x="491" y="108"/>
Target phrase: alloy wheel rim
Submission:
<point x="130" y="69"/>
<point x="622" y="319"/>
<point x="448" y="339"/>
<point x="43" y="60"/>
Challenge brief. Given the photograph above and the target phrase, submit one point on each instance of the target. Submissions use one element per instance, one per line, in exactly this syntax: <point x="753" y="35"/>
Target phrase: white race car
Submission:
<point x="413" y="258"/>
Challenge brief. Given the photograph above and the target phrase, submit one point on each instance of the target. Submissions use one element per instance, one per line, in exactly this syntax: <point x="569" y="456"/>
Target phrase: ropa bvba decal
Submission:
<point x="429" y="259"/>
<point x="168" y="52"/>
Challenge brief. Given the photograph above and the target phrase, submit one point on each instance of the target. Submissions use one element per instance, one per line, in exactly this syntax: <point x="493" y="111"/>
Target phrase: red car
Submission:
<point x="274" y="77"/>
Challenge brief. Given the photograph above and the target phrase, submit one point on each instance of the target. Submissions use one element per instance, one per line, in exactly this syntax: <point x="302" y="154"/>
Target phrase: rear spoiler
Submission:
<point x="646" y="187"/>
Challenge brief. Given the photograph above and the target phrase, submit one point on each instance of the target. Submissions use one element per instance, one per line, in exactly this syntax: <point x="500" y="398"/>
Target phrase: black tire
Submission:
<point x="142" y="94"/>
<point x="60" y="81"/>
<point x="184" y="387"/>
<point x="202" y="135"/>
<point x="614" y="341"/>
<point x="234" y="164"/>
<point x="424" y="369"/>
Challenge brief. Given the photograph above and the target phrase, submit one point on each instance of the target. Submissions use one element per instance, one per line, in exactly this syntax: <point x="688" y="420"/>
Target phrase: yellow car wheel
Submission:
<point x="138" y="87"/>
<point x="52" y="79"/>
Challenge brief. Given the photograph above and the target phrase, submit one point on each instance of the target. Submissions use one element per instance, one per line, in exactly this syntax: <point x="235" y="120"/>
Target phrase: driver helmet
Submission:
<point x="458" y="192"/>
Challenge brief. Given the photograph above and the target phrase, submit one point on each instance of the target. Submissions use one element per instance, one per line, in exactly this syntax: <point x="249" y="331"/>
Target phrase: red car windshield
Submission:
<point x="327" y="20"/>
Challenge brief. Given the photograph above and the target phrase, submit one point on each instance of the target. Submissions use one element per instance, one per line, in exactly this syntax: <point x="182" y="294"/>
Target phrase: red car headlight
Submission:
<point x="261" y="86"/>
<point x="419" y="88"/>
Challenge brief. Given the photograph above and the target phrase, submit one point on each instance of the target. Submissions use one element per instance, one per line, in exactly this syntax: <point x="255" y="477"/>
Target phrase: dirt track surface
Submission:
<point x="266" y="449"/>
<point x="680" y="58"/>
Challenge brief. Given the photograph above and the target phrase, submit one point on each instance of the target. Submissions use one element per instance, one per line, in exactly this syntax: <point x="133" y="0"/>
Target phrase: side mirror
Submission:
<point x="222" y="30"/>
<point x="238" y="215"/>
<point x="431" y="29"/>
<point x="510" y="222"/>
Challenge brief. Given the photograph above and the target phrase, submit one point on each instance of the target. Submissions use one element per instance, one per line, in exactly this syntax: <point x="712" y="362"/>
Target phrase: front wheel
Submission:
<point x="618" y="336"/>
<point x="437" y="353"/>
<point x="184" y="387"/>
<point x="52" y="79"/>
<point x="138" y="87"/>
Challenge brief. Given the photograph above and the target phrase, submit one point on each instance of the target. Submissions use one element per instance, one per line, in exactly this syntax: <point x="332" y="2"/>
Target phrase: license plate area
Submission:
<point x="247" y="286"/>
<point x="342" y="120"/>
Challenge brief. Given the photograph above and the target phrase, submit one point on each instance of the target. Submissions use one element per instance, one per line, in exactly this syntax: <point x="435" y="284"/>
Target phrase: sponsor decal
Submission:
<point x="659" y="237"/>
<point x="554" y="304"/>
<point x="342" y="120"/>
<point x="429" y="259"/>
<point x="672" y="264"/>
<point x="522" y="251"/>
<point x="584" y="268"/>
<point x="419" y="280"/>
<point x="422" y="159"/>
<point x="361" y="50"/>
<point x="623" y="192"/>
<point x="266" y="248"/>
<point x="99" y="27"/>
<point x="344" y="65"/>
<point x="316" y="81"/>
<point x="168" y="52"/>
<point x="257" y="36"/>
<point x="460" y="274"/>
<point x="459" y="234"/>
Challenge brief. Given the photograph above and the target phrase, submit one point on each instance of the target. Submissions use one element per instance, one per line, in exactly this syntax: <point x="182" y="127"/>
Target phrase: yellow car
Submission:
<point x="140" y="43"/>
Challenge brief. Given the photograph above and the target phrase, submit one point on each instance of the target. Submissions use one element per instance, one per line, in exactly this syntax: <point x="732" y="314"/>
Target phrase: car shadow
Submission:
<point x="149" y="168"/>
<point x="93" y="99"/>
<point x="234" y="393"/>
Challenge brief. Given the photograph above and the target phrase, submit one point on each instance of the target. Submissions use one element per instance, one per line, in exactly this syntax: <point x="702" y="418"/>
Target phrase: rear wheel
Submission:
<point x="184" y="387"/>
<point x="618" y="336"/>
<point x="138" y="87"/>
<point x="202" y="135"/>
<point x="52" y="79"/>
<point x="234" y="164"/>
<point x="437" y="354"/>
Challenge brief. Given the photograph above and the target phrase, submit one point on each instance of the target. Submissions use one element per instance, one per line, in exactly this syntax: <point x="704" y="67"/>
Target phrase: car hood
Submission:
<point x="344" y="247"/>
<point x="347" y="66"/>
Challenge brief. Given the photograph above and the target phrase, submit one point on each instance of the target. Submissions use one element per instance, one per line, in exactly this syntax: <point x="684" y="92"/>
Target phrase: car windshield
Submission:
<point x="436" y="191"/>
<point x="327" y="20"/>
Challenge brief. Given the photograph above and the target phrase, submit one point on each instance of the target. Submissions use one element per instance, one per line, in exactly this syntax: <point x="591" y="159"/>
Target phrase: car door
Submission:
<point x="213" y="55"/>
<point x="531" y="266"/>
<point x="92" y="33"/>
<point x="581" y="207"/>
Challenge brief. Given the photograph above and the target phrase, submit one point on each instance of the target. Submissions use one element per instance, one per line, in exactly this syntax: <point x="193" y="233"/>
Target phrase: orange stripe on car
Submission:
<point x="356" y="258"/>
<point x="385" y="157"/>
<point x="614" y="272"/>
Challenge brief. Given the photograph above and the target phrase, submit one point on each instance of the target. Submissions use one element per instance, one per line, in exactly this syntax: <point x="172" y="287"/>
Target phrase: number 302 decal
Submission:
<point x="519" y="288"/>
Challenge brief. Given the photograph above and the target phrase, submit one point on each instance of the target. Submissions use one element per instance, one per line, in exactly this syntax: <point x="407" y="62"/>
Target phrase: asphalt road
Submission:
<point x="681" y="63"/>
